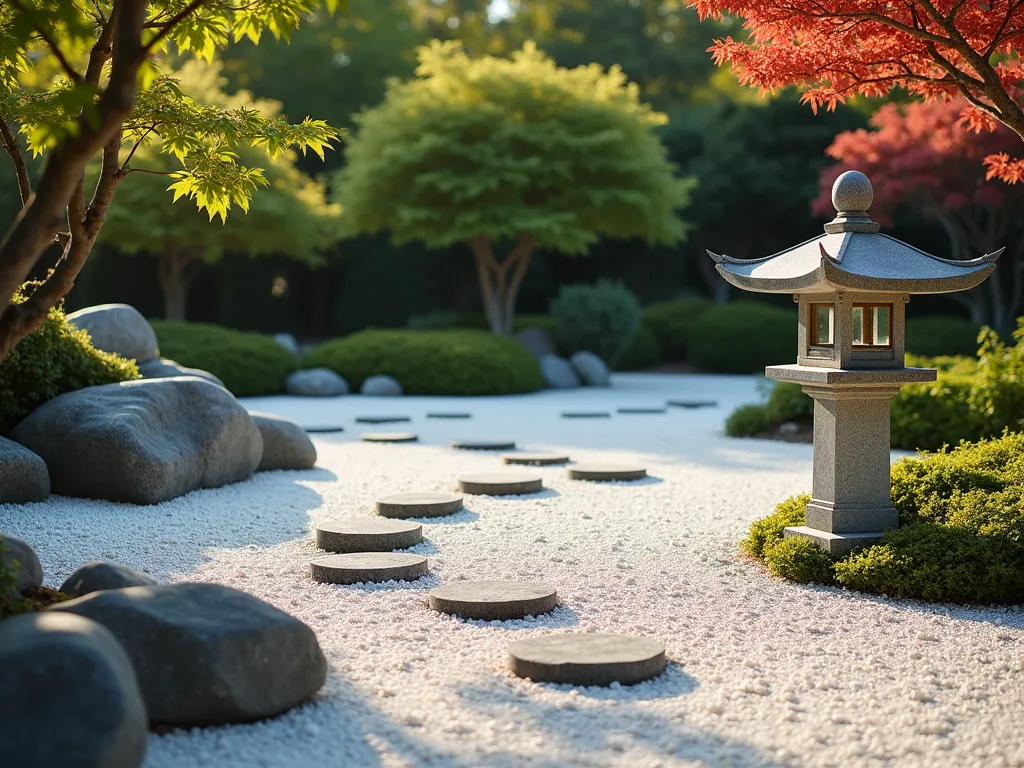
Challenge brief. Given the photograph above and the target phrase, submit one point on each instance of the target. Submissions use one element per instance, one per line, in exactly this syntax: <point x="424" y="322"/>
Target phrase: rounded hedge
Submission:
<point x="743" y="337"/>
<point x="643" y="352"/>
<point x="452" y="362"/>
<point x="249" y="364"/>
<point x="55" y="359"/>
<point x="939" y="335"/>
<point x="600" y="318"/>
<point x="671" y="321"/>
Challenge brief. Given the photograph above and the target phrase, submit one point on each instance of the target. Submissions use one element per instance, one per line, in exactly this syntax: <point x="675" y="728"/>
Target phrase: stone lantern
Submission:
<point x="852" y="285"/>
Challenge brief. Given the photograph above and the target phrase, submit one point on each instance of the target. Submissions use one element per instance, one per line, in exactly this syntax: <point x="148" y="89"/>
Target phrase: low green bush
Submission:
<point x="743" y="337"/>
<point x="800" y="560"/>
<point x="453" y="362"/>
<point x="643" y="352"/>
<point x="749" y="420"/>
<point x="927" y="416"/>
<point x="671" y="321"/>
<point x="249" y="364"/>
<point x="768" y="530"/>
<point x="782" y="401"/>
<point x="941" y="335"/>
<point x="55" y="359"/>
<point x="599" y="318"/>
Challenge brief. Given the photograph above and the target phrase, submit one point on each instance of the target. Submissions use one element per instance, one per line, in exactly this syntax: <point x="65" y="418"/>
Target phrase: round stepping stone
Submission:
<point x="370" y="534"/>
<point x="607" y="472"/>
<point x="318" y="430"/>
<point x="390" y="437"/>
<point x="493" y="600"/>
<point x="356" y="567"/>
<point x="449" y="415"/>
<point x="484" y="445"/>
<point x="406" y="505"/>
<point x="381" y="419"/>
<point x="693" y="403"/>
<point x="535" y="459"/>
<point x="500" y="484"/>
<point x="643" y="410"/>
<point x="587" y="659"/>
<point x="586" y="415"/>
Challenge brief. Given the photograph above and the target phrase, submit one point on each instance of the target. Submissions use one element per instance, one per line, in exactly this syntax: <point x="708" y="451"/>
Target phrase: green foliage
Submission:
<point x="671" y="322"/>
<point x="749" y="420"/>
<point x="450" y="362"/>
<point x="55" y="359"/>
<point x="743" y="337"/>
<point x="927" y="416"/>
<point x="497" y="148"/>
<point x="643" y="351"/>
<point x="799" y="559"/>
<point x="767" y="532"/>
<point x="600" y="318"/>
<point x="941" y="335"/>
<point x="783" y="401"/>
<point x="249" y="364"/>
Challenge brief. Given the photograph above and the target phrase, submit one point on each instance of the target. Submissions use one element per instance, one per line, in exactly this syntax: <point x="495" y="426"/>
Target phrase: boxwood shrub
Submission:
<point x="743" y="337"/>
<point x="452" y="362"/>
<point x="249" y="364"/>
<point x="57" y="358"/>
<point x="643" y="352"/>
<point x="671" y="321"/>
<point x="961" y="537"/>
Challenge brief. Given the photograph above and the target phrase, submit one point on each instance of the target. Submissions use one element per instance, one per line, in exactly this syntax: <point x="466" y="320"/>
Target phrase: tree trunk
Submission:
<point x="175" y="279"/>
<point x="500" y="281"/>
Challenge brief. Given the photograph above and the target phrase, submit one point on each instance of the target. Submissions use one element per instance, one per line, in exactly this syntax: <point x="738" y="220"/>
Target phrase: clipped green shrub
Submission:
<point x="927" y="416"/>
<point x="783" y="401"/>
<point x="643" y="351"/>
<point x="743" y="337"/>
<point x="768" y="530"/>
<point x="670" y="321"/>
<point x="453" y="362"/>
<point x="749" y="420"/>
<point x="800" y="560"/>
<point x="599" y="318"/>
<point x="941" y="335"/>
<point x="249" y="364"/>
<point x="55" y="359"/>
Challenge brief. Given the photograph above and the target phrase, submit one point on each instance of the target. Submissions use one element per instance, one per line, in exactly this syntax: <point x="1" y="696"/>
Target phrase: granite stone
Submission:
<point x="500" y="484"/>
<point x="419" y="504"/>
<point x="587" y="659"/>
<point x="493" y="600"/>
<point x="368" y="534"/>
<point x="368" y="567"/>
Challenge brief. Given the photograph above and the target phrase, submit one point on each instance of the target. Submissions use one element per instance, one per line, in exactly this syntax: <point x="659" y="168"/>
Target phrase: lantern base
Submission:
<point x="836" y="544"/>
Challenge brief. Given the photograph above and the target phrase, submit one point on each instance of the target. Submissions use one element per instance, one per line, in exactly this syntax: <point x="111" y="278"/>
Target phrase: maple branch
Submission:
<point x="998" y="36"/>
<point x="54" y="48"/>
<point x="167" y="28"/>
<point x="103" y="195"/>
<point x="102" y="49"/>
<point x="10" y="145"/>
<point x="124" y="165"/>
<point x="147" y="170"/>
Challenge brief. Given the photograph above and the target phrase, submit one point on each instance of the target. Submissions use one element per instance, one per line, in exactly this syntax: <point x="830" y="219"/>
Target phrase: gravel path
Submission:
<point x="763" y="672"/>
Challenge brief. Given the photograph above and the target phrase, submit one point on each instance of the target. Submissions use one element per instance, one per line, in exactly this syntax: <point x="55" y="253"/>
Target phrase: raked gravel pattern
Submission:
<point x="762" y="672"/>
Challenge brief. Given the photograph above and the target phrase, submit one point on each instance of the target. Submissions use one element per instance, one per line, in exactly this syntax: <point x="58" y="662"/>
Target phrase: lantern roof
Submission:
<point x="853" y="255"/>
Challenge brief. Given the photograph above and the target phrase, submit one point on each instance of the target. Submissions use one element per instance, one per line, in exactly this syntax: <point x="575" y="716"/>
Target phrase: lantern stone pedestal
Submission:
<point x="850" y="496"/>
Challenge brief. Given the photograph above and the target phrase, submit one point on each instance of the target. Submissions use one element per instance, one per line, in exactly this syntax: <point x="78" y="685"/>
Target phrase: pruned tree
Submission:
<point x="936" y="49"/>
<point x="81" y="80"/>
<point x="492" y="151"/>
<point x="919" y="159"/>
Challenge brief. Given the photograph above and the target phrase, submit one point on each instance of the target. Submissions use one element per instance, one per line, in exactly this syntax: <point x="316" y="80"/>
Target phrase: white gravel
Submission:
<point x="763" y="673"/>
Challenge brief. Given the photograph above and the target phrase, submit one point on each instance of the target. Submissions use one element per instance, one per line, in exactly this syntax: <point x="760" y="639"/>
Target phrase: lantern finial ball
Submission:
<point x="852" y="193"/>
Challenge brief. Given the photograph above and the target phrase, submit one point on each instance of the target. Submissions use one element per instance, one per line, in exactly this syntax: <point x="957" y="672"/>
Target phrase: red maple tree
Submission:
<point x="920" y="159"/>
<point x="937" y="49"/>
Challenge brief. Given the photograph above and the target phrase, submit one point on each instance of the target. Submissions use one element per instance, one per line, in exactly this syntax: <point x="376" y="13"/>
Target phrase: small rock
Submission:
<point x="68" y="696"/>
<point x="789" y="429"/>
<point x="285" y="443"/>
<point x="165" y="368"/>
<point x="537" y="342"/>
<point x="102" y="575"/>
<point x="382" y="386"/>
<point x="558" y="372"/>
<point x="206" y="654"/>
<point x="18" y="556"/>
<point x="287" y="341"/>
<point x="316" y="382"/>
<point x="591" y="369"/>
<point x="23" y="474"/>
<point x="118" y="328"/>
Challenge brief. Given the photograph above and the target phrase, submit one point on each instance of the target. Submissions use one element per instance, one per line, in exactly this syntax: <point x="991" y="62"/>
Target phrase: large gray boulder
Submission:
<point x="165" y="368"/>
<point x="537" y="342"/>
<point x="386" y="386"/>
<point x="558" y="372"/>
<point x="118" y="328"/>
<point x="23" y="475"/>
<point x="17" y="556"/>
<point x="143" y="441"/>
<point x="316" y="382"/>
<point x="591" y="369"/>
<point x="101" y="575"/>
<point x="207" y="654"/>
<point x="68" y="696"/>
<point x="285" y="444"/>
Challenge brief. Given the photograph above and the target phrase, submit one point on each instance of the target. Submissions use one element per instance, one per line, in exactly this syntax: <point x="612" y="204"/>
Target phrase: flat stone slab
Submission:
<point x="381" y="419"/>
<point x="607" y="472"/>
<point x="356" y="567"/>
<point x="586" y="415"/>
<point x="449" y="416"/>
<point x="493" y="600"/>
<point x="500" y="483"/>
<point x="642" y="410"/>
<point x="419" y="504"/>
<point x="535" y="459"/>
<point x="484" y="445"/>
<point x="368" y="534"/>
<point x="318" y="430"/>
<point x="693" y="403"/>
<point x="389" y="437"/>
<point x="587" y="659"/>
